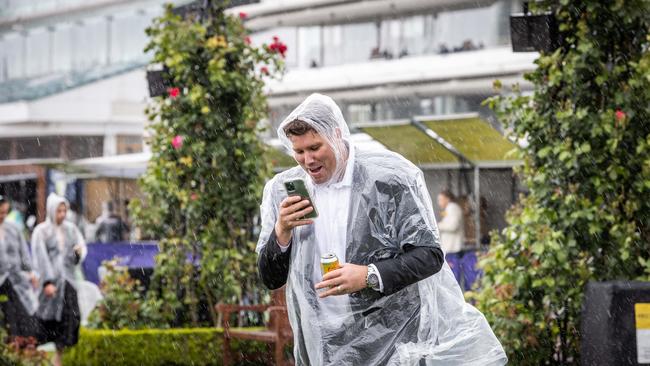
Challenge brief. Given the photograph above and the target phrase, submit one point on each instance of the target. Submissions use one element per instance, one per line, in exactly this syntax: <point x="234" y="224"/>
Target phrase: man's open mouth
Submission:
<point x="315" y="170"/>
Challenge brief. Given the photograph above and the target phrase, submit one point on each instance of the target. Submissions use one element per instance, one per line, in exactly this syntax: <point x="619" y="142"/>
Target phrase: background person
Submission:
<point x="112" y="228"/>
<point x="17" y="280"/>
<point x="452" y="230"/>
<point x="58" y="247"/>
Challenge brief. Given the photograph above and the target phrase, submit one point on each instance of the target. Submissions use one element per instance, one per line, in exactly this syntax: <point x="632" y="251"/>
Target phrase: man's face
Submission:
<point x="314" y="155"/>
<point x="60" y="213"/>
<point x="4" y="211"/>
<point x="443" y="201"/>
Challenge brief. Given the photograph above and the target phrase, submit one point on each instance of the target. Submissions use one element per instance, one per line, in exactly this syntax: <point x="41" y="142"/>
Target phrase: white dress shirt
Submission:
<point x="330" y="228"/>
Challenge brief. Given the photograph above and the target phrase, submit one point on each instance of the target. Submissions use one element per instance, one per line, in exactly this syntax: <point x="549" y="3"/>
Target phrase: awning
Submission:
<point x="472" y="137"/>
<point x="131" y="166"/>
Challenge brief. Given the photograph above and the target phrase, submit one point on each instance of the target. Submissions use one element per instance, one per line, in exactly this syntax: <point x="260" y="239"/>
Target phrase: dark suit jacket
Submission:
<point x="416" y="263"/>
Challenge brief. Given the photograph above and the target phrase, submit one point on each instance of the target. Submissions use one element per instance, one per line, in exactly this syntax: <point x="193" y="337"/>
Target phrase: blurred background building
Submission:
<point x="73" y="90"/>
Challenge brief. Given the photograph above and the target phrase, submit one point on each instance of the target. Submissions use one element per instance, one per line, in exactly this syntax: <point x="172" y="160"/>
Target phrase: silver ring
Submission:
<point x="340" y="290"/>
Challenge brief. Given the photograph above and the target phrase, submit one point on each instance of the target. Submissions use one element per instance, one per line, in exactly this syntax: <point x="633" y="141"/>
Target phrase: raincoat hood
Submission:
<point x="325" y="117"/>
<point x="52" y="204"/>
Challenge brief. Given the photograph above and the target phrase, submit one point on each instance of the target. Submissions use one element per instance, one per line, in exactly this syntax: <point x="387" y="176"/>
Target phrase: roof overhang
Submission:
<point x="282" y="13"/>
<point x="472" y="72"/>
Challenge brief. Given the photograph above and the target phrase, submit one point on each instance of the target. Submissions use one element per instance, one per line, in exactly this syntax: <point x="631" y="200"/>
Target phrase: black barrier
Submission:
<point x="611" y="312"/>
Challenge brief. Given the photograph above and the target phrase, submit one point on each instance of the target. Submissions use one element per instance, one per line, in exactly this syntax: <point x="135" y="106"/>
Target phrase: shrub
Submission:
<point x="203" y="185"/>
<point x="587" y="167"/>
<point x="186" y="346"/>
<point x="123" y="306"/>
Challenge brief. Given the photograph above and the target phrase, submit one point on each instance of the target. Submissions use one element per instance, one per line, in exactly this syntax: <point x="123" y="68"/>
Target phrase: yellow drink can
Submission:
<point x="329" y="262"/>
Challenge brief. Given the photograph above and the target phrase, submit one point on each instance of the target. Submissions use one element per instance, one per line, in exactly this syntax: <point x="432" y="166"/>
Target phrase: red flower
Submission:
<point x="177" y="142"/>
<point x="620" y="115"/>
<point x="247" y="40"/>
<point x="278" y="46"/>
<point x="264" y="70"/>
<point x="173" y="92"/>
<point x="242" y="15"/>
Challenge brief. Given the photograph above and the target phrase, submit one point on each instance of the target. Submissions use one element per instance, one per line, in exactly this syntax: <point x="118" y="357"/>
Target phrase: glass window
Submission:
<point x="359" y="113"/>
<point x="38" y="52"/>
<point x="359" y="40"/>
<point x="309" y="47"/>
<point x="13" y="48"/>
<point x="413" y="40"/>
<point x="89" y="44"/>
<point x="332" y="45"/>
<point x="62" y="47"/>
<point x="128" y="37"/>
<point x="468" y="29"/>
<point x="389" y="45"/>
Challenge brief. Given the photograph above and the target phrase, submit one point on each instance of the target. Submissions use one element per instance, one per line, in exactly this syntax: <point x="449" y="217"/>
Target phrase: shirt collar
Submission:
<point x="347" y="176"/>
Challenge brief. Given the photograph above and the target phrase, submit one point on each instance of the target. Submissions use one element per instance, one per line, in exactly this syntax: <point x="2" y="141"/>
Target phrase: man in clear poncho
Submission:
<point x="394" y="301"/>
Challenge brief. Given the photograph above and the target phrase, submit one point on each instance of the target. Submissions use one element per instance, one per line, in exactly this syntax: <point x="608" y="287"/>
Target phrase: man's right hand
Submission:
<point x="49" y="290"/>
<point x="292" y="209"/>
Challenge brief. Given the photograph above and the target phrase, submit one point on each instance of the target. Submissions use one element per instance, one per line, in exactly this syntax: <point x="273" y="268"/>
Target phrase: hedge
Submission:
<point x="185" y="346"/>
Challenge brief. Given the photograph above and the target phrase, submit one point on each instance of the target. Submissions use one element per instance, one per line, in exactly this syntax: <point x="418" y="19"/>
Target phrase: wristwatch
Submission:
<point x="372" y="278"/>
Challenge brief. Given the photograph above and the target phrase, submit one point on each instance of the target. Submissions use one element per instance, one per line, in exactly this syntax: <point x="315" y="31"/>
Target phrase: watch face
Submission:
<point x="373" y="280"/>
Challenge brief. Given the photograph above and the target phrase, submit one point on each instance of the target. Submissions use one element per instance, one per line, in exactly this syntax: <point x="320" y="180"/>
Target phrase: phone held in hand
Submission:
<point x="297" y="187"/>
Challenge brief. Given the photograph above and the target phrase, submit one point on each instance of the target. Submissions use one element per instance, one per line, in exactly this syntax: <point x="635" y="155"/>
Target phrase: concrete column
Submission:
<point x="110" y="144"/>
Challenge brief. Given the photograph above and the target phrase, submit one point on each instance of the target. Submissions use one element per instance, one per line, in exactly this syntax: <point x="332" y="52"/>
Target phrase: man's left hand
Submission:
<point x="345" y="280"/>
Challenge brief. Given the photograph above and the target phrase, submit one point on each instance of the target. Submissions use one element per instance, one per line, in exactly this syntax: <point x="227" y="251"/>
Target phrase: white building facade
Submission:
<point x="73" y="80"/>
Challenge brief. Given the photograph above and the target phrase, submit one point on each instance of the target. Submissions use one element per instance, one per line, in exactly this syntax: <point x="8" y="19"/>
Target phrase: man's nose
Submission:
<point x="309" y="158"/>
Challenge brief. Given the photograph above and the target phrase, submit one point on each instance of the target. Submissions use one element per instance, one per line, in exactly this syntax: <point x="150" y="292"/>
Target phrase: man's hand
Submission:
<point x="77" y="250"/>
<point x="292" y="209"/>
<point x="345" y="280"/>
<point x="50" y="290"/>
<point x="33" y="279"/>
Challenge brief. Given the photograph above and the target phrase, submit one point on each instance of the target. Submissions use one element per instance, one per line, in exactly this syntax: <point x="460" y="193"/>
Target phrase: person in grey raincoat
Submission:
<point x="58" y="247"/>
<point x="393" y="301"/>
<point x="17" y="280"/>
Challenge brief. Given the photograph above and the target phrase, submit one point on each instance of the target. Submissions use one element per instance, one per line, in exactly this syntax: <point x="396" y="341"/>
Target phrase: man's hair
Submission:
<point x="3" y="200"/>
<point x="297" y="128"/>
<point x="447" y="193"/>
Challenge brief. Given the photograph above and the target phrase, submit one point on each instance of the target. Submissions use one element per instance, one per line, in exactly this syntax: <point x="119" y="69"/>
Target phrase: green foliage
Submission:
<point x="195" y="347"/>
<point x="587" y="167"/>
<point x="204" y="182"/>
<point x="123" y="306"/>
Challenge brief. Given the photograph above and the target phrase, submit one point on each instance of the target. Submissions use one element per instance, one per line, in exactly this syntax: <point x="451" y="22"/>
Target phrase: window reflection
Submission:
<point x="75" y="46"/>
<point x="389" y="38"/>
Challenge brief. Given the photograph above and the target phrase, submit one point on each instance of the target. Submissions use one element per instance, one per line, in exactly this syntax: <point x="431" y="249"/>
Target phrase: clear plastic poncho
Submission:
<point x="428" y="322"/>
<point x="54" y="258"/>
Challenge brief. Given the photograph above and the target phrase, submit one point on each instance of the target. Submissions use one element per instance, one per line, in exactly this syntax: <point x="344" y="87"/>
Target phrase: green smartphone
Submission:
<point x="297" y="187"/>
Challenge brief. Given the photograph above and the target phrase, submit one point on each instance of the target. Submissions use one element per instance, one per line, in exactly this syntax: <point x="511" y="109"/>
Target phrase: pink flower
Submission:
<point x="247" y="40"/>
<point x="194" y="196"/>
<point x="173" y="92"/>
<point x="177" y="142"/>
<point x="242" y="15"/>
<point x="620" y="115"/>
<point x="264" y="70"/>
